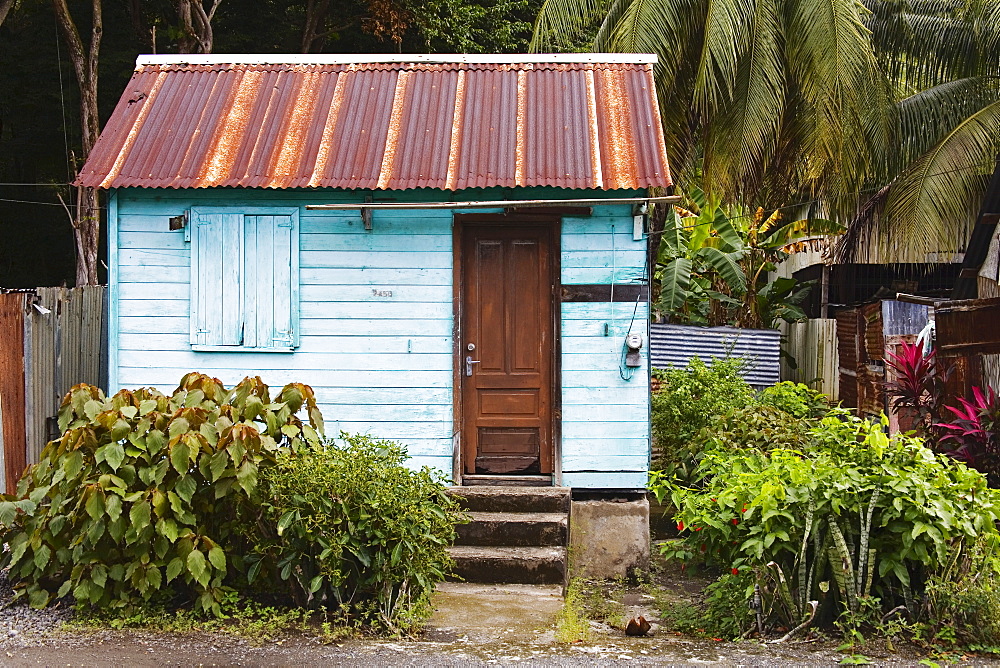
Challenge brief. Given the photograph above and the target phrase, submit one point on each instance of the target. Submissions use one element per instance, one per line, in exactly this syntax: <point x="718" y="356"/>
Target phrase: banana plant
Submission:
<point x="714" y="263"/>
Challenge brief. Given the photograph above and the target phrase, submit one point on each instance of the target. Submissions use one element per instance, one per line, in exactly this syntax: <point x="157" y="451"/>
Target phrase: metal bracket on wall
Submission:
<point x="366" y="214"/>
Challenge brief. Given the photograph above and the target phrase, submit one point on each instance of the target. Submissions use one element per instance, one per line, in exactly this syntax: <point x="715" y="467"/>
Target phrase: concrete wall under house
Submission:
<point x="376" y="320"/>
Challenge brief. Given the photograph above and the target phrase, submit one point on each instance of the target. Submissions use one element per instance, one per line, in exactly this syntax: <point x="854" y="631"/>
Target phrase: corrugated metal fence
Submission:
<point x="813" y="346"/>
<point x="53" y="338"/>
<point x="675" y="345"/>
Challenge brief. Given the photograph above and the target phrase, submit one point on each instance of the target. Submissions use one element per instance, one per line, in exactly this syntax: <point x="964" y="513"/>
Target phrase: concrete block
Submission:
<point x="608" y="538"/>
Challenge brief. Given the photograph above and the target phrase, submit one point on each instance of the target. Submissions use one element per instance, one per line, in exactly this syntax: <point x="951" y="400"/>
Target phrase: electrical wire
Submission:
<point x="626" y="372"/>
<point x="27" y="201"/>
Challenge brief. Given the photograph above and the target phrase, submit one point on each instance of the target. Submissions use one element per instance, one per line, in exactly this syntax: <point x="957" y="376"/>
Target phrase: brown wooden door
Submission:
<point x="506" y="348"/>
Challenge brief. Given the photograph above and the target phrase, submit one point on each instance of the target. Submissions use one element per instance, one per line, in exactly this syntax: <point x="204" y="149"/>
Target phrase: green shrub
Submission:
<point x="726" y="613"/>
<point x="139" y="497"/>
<point x="722" y="612"/>
<point x="963" y="596"/>
<point x="796" y="399"/>
<point x="355" y="530"/>
<point x="760" y="427"/>
<point x="854" y="509"/>
<point x="690" y="399"/>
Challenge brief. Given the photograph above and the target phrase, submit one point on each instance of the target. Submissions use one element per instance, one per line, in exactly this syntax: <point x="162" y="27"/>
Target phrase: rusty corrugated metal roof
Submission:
<point x="384" y="125"/>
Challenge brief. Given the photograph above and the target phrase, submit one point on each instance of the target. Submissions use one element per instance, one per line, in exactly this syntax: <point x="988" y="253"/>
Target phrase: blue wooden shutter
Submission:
<point x="216" y="279"/>
<point x="271" y="281"/>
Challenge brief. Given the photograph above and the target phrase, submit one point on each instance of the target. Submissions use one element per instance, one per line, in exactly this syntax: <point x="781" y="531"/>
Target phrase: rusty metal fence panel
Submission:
<point x="813" y="346"/>
<point x="53" y="338"/>
<point x="12" y="387"/>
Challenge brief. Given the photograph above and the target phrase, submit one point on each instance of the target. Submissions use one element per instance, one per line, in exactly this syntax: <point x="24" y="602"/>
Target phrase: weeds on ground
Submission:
<point x="572" y="624"/>
<point x="240" y="617"/>
<point x="587" y="601"/>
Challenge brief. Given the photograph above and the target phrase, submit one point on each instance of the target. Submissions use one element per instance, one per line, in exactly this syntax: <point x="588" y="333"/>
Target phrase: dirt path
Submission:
<point x="141" y="649"/>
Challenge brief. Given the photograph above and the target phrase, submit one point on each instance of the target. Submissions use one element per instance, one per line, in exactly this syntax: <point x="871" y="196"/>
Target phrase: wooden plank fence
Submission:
<point x="813" y="346"/>
<point x="53" y="338"/>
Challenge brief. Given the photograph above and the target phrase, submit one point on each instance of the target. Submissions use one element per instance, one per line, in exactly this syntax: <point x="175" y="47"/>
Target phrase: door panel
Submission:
<point x="507" y="319"/>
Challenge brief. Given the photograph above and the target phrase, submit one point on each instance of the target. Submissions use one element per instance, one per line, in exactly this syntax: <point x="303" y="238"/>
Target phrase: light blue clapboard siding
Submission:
<point x="390" y="380"/>
<point x="607" y="479"/>
<point x="599" y="435"/>
<point x="312" y="344"/>
<point x="376" y="321"/>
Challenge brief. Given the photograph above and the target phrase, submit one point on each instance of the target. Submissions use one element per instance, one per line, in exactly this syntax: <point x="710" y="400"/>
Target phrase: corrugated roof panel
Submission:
<point x="644" y="114"/>
<point x="557" y="121"/>
<point x="390" y="125"/>
<point x="207" y="127"/>
<point x="675" y="345"/>
<point x="421" y="159"/>
<point x="154" y="133"/>
<point x="132" y="106"/>
<point x="326" y="85"/>
<point x="359" y="135"/>
<point x="487" y="142"/>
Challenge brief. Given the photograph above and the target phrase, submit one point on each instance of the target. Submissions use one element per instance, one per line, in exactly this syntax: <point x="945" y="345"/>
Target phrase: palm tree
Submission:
<point x="886" y="112"/>
<point x="762" y="100"/>
<point x="943" y="59"/>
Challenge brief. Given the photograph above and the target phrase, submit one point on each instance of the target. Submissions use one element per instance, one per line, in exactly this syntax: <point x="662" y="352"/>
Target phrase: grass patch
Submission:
<point x="572" y="624"/>
<point x="240" y="617"/>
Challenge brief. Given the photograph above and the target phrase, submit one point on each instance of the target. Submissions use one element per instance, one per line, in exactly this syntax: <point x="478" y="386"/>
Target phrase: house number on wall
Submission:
<point x="381" y="293"/>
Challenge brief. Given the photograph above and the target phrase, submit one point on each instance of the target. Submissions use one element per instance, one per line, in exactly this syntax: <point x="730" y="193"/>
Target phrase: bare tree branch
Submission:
<point x="196" y="25"/>
<point x="86" y="219"/>
<point x="5" y="7"/>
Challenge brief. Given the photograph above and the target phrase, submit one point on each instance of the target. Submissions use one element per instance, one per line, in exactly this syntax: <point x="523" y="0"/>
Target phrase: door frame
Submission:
<point x="554" y="224"/>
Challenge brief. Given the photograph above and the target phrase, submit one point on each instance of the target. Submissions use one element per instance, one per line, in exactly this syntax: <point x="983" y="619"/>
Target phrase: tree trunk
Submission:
<point x="5" y="7"/>
<point x="86" y="216"/>
<point x="196" y="25"/>
<point x="313" y="33"/>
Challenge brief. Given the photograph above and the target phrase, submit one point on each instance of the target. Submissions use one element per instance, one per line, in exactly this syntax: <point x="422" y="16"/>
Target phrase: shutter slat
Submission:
<point x="284" y="280"/>
<point x="254" y="266"/>
<point x="232" y="280"/>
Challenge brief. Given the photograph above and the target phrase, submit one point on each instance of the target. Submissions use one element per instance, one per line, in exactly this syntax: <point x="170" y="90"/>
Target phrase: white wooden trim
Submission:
<point x="348" y="59"/>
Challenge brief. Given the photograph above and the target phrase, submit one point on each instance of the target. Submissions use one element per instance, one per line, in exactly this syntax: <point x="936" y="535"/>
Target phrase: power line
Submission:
<point x="26" y="201"/>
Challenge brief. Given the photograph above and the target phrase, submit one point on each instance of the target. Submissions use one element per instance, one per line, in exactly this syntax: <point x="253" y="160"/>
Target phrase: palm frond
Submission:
<point x="832" y="60"/>
<point x="926" y="117"/>
<point x="932" y="205"/>
<point x="559" y="18"/>
<point x="726" y="29"/>
<point x="744" y="134"/>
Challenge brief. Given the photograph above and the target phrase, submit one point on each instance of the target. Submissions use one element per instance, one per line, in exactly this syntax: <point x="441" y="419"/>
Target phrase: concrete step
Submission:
<point x="515" y="529"/>
<point x="491" y="499"/>
<point x="508" y="480"/>
<point x="515" y="565"/>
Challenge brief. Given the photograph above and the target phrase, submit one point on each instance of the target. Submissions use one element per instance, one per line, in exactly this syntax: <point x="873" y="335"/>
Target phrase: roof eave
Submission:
<point x="353" y="58"/>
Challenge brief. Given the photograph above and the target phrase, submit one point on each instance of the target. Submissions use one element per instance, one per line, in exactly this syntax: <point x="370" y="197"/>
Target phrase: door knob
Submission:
<point x="468" y="364"/>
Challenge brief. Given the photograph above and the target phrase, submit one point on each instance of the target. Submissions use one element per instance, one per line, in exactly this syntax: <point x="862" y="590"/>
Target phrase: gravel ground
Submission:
<point x="21" y="625"/>
<point x="37" y="638"/>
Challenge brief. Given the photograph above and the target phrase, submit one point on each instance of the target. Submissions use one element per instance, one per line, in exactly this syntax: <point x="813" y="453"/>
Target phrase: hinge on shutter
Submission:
<point x="288" y="224"/>
<point x="283" y="337"/>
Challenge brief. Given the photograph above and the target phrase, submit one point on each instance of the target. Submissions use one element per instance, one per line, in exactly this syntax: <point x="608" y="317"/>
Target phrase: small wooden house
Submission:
<point x="449" y="250"/>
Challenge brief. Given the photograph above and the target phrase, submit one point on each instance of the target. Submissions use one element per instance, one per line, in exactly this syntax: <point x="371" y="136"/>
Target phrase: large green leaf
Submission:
<point x="675" y="278"/>
<point x="674" y="239"/>
<point x="728" y="267"/>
